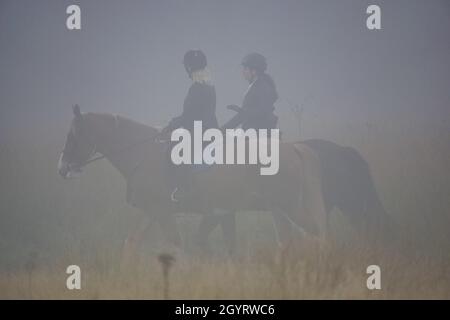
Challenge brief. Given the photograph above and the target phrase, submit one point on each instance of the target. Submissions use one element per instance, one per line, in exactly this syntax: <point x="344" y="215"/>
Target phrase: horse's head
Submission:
<point x="78" y="147"/>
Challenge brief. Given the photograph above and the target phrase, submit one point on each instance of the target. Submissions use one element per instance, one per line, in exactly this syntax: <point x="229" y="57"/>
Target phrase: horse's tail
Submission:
<point x="348" y="184"/>
<point x="366" y="208"/>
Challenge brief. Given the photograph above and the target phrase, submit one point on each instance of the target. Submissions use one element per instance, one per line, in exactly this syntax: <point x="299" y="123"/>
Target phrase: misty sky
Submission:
<point x="127" y="58"/>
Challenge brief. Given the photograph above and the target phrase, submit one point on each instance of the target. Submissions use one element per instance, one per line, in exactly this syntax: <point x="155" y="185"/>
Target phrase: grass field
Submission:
<point x="327" y="274"/>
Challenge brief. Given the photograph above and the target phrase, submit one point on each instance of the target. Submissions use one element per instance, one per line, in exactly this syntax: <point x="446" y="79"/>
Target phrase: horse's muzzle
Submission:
<point x="63" y="167"/>
<point x="65" y="170"/>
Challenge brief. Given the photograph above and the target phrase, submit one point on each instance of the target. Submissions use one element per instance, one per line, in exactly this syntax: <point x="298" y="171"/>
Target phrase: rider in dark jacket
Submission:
<point x="199" y="105"/>
<point x="258" y="105"/>
<point x="200" y="102"/>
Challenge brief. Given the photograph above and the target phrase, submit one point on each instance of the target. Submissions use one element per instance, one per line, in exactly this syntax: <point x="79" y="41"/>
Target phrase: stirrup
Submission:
<point x="172" y="195"/>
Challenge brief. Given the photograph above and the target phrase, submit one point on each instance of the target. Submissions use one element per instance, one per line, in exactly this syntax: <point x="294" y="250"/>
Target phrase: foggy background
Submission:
<point x="127" y="59"/>
<point x="378" y="91"/>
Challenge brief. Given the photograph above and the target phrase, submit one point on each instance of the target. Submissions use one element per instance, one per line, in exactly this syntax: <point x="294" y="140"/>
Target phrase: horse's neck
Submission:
<point x="125" y="162"/>
<point x="123" y="142"/>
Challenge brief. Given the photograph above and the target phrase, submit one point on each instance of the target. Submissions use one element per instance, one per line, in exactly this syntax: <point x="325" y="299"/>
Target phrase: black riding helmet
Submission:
<point x="194" y="60"/>
<point x="255" y="61"/>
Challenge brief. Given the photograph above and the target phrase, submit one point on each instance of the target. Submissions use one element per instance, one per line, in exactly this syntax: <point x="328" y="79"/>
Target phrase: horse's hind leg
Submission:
<point x="207" y="224"/>
<point x="286" y="230"/>
<point x="311" y="200"/>
<point x="228" y="224"/>
<point x="370" y="222"/>
<point x="282" y="228"/>
<point x="133" y="241"/>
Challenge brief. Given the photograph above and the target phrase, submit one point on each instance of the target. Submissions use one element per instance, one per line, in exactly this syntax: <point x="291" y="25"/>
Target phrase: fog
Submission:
<point x="383" y="92"/>
<point x="126" y="59"/>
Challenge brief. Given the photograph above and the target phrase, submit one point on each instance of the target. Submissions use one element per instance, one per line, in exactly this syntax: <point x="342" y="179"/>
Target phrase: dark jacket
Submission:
<point x="258" y="106"/>
<point x="199" y="105"/>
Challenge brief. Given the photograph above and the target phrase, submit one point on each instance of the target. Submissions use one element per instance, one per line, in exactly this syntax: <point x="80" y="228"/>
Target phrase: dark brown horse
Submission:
<point x="294" y="194"/>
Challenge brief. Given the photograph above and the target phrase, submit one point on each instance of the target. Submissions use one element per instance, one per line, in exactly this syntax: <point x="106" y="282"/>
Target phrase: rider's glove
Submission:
<point x="234" y="108"/>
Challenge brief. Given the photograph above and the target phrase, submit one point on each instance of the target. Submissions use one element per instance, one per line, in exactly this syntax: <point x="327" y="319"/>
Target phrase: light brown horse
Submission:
<point x="294" y="194"/>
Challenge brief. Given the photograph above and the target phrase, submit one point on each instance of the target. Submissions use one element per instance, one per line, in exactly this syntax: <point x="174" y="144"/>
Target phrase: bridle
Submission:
<point x="92" y="158"/>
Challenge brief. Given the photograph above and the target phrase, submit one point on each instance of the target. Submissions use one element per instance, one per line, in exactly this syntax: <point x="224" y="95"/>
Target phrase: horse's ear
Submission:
<point x="76" y="111"/>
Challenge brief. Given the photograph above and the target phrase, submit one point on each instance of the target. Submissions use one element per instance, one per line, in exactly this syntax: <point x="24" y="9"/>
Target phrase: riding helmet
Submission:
<point x="194" y="60"/>
<point x="255" y="61"/>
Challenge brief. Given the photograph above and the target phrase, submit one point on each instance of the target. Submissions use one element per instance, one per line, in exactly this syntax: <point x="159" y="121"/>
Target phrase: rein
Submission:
<point x="93" y="159"/>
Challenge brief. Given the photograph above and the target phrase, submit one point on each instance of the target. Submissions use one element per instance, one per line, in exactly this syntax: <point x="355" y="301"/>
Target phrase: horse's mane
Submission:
<point x="125" y="121"/>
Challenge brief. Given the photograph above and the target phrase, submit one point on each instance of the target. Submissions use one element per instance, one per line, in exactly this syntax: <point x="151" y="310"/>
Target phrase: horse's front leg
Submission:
<point x="133" y="241"/>
<point x="283" y="228"/>
<point x="227" y="221"/>
<point x="168" y="224"/>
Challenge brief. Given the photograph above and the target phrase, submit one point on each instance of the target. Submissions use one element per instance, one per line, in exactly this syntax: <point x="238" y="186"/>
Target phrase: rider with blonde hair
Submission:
<point x="199" y="105"/>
